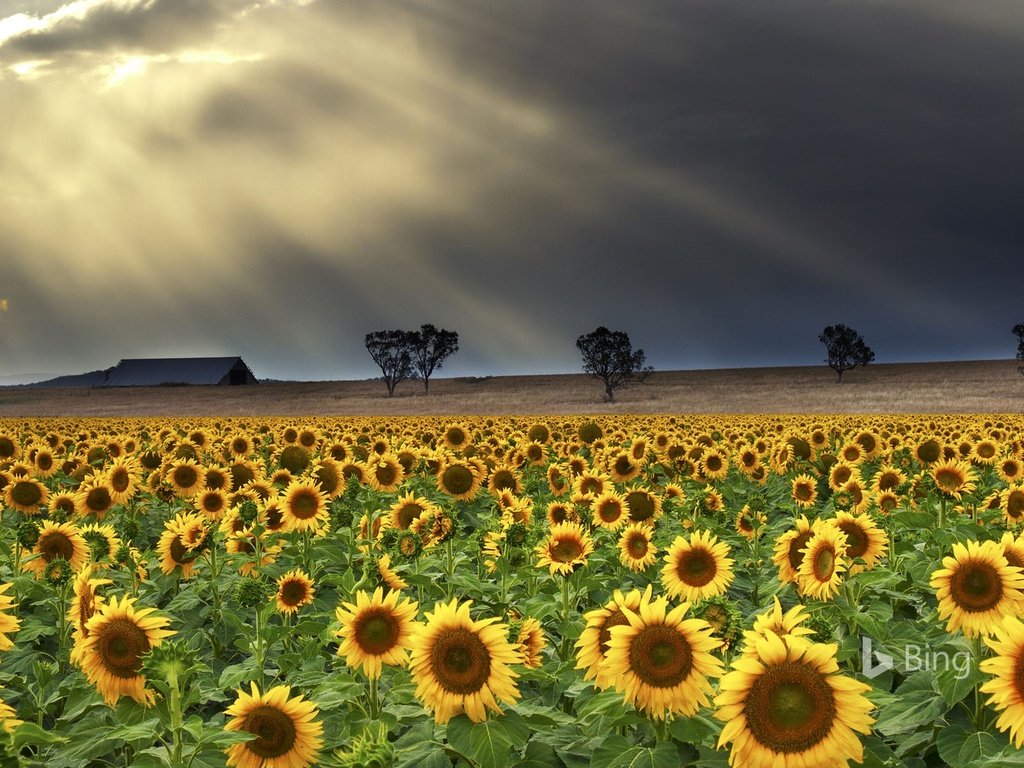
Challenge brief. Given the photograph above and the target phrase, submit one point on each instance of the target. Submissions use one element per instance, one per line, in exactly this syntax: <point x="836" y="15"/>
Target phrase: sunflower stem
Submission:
<point x="979" y="704"/>
<point x="942" y="512"/>
<point x="260" y="645"/>
<point x="175" y="711"/>
<point x="660" y="729"/>
<point x="374" y="700"/>
<point x="563" y="648"/>
<point x="449" y="566"/>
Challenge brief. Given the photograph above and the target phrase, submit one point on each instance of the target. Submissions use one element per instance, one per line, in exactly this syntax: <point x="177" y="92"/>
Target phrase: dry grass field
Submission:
<point x="992" y="386"/>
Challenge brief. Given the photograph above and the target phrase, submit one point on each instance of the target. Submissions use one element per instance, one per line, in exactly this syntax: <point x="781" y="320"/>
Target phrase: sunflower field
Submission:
<point x="512" y="592"/>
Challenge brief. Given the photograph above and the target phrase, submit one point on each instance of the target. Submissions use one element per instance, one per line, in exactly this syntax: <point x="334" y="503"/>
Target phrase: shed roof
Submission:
<point x="142" y="372"/>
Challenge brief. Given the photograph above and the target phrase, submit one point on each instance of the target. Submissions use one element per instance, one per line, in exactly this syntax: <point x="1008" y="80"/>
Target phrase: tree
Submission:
<point x="430" y="348"/>
<point x="609" y="356"/>
<point x="846" y="349"/>
<point x="1018" y="331"/>
<point x="392" y="352"/>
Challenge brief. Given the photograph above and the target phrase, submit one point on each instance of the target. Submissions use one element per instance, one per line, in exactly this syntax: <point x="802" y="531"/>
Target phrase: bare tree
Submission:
<point x="609" y="356"/>
<point x="846" y="349"/>
<point x="392" y="352"/>
<point x="430" y="348"/>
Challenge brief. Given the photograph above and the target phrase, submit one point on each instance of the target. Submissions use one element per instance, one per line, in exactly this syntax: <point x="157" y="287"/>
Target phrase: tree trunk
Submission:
<point x="426" y="386"/>
<point x="391" y="388"/>
<point x="610" y="392"/>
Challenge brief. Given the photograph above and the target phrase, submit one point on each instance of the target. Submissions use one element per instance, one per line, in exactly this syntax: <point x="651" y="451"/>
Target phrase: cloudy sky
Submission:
<point x="719" y="178"/>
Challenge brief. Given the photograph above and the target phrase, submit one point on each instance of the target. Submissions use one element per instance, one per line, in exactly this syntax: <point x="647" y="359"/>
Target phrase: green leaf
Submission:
<point x="978" y="746"/>
<point x="30" y="734"/>
<point x="611" y="748"/>
<point x="662" y="756"/>
<point x="147" y="730"/>
<point x="488" y="743"/>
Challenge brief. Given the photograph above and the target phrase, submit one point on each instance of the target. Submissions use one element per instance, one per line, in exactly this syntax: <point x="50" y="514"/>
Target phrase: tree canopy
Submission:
<point x="609" y="356"/>
<point x="1018" y="331"/>
<point x="430" y="348"/>
<point x="846" y="349"/>
<point x="392" y="352"/>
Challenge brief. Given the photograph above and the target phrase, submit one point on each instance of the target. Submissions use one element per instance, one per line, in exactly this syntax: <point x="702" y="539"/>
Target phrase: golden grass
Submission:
<point x="992" y="386"/>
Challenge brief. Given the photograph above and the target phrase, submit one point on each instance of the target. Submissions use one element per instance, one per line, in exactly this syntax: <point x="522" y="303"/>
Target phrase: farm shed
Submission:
<point x="142" y="372"/>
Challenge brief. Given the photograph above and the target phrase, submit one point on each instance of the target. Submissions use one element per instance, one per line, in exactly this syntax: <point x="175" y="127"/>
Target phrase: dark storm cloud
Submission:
<point x="720" y="179"/>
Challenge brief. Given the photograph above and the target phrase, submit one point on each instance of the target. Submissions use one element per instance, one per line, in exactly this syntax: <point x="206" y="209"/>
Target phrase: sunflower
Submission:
<point x="461" y="665"/>
<point x="294" y="590"/>
<point x="123" y="479"/>
<point x="697" y="568"/>
<point x="93" y="498"/>
<point x="566" y="548"/>
<point x="786" y="706"/>
<point x="789" y="549"/>
<point x="977" y="587"/>
<point x="456" y="437"/>
<point x="384" y="473"/>
<point x="591" y="482"/>
<point x="304" y="507"/>
<point x="821" y="570"/>
<point x="186" y="477"/>
<point x="85" y="601"/>
<point x="1011" y="500"/>
<point x="376" y="630"/>
<point x="26" y="495"/>
<point x="644" y="506"/>
<point x="558" y="477"/>
<point x="750" y="523"/>
<point x="7" y="719"/>
<point x="505" y="478"/>
<point x="710" y="500"/>
<point x="57" y="540"/>
<point x="326" y="472"/>
<point x="387" y="574"/>
<point x="985" y="451"/>
<point x="560" y="512"/>
<point x="1011" y="470"/>
<point x="714" y="465"/>
<point x="778" y="623"/>
<point x="888" y="478"/>
<point x="609" y="510"/>
<point x="459" y="478"/>
<point x="636" y="550"/>
<point x="953" y="478"/>
<point x="840" y="474"/>
<point x="103" y="541"/>
<point x="864" y="540"/>
<point x="804" y="490"/>
<point x="1013" y="550"/>
<point x="887" y="502"/>
<point x="8" y="624"/>
<point x="288" y="733"/>
<point x="179" y="543"/>
<point x="112" y="646"/>
<point x="592" y="645"/>
<point x="661" y="661"/>
<point x="212" y="503"/>
<point x="622" y="467"/>
<point x="10" y="450"/>
<point x="1007" y="684"/>
<point x="530" y="642"/>
<point x="928" y="451"/>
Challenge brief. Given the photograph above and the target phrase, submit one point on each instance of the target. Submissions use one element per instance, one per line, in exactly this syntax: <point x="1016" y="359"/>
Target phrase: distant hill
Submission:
<point x="982" y="386"/>
<point x="90" y="379"/>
